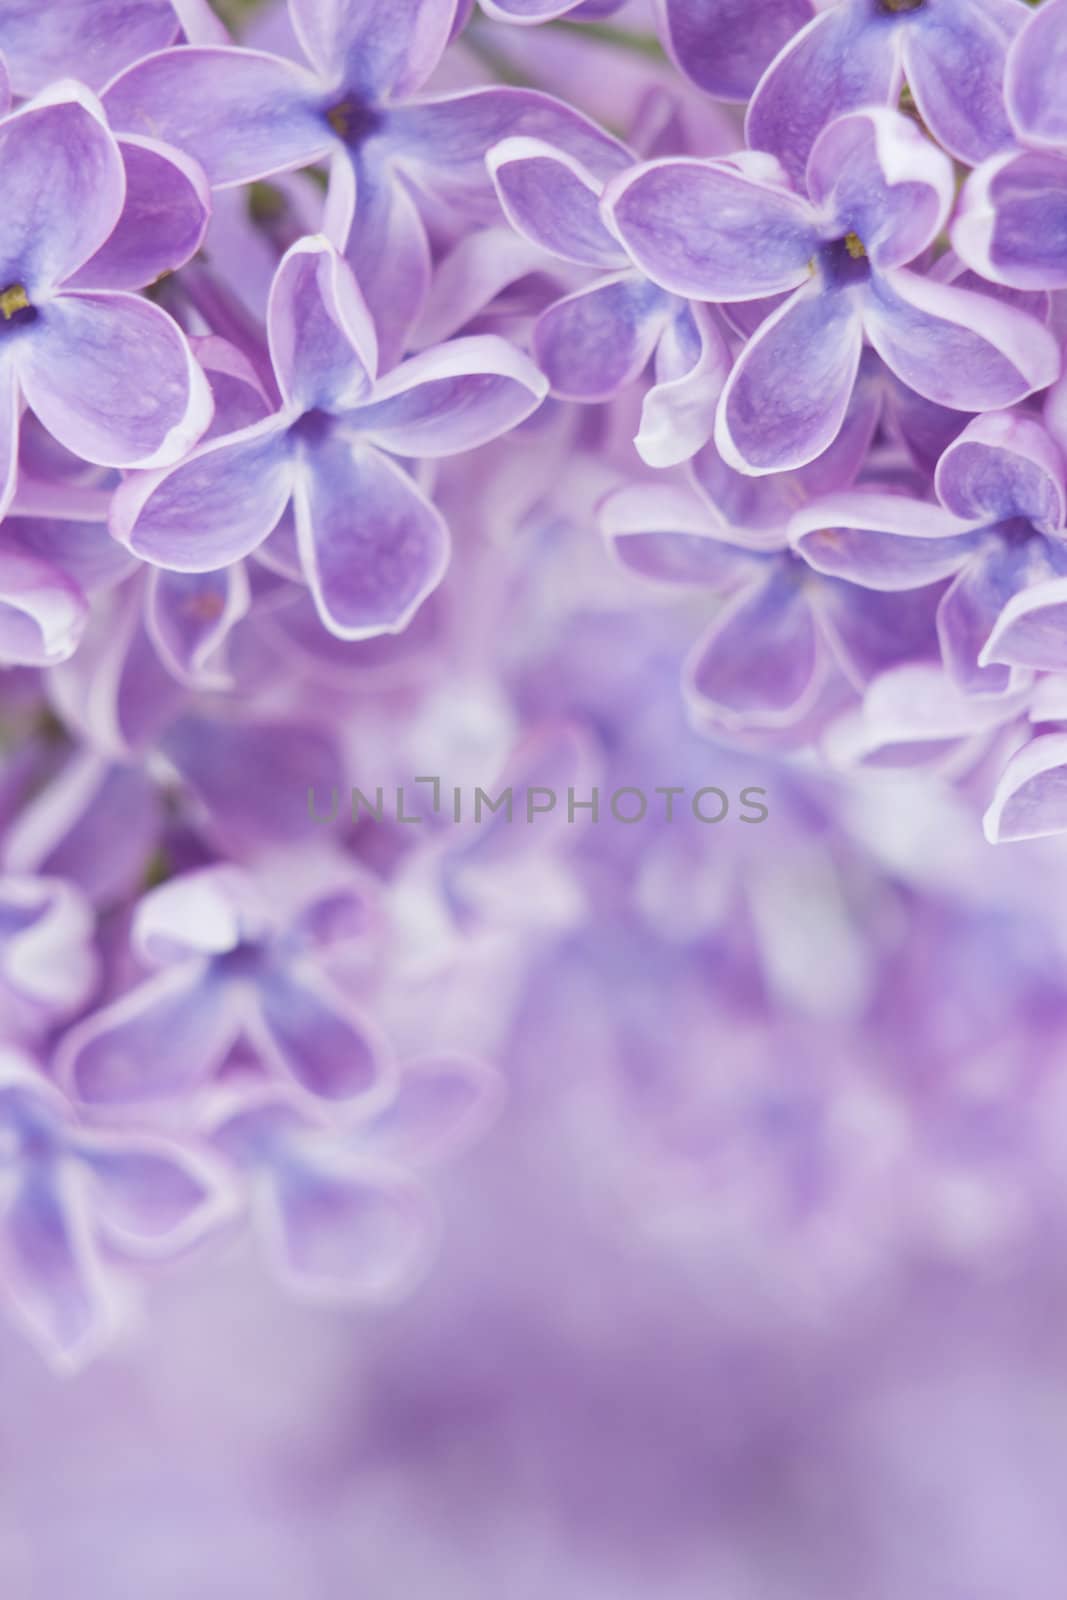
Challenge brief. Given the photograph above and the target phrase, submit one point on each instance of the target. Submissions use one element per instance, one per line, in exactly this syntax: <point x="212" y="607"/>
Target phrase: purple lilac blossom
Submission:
<point x="533" y="799"/>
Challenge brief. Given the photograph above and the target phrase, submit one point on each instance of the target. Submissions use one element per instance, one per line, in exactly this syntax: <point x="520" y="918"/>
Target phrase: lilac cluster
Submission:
<point x="399" y="391"/>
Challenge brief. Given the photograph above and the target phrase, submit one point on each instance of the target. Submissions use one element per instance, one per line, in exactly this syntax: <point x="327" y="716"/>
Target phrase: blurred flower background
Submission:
<point x="551" y="400"/>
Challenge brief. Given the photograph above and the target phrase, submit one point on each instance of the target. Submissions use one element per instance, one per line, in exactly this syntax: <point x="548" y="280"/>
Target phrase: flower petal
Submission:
<point x="314" y="1036"/>
<point x="213" y="509"/>
<point x="786" y="399"/>
<point x="957" y="347"/>
<point x="189" y="616"/>
<point x="969" y="611"/>
<point x="163" y="222"/>
<point x="372" y="545"/>
<point x="882" y="541"/>
<point x="724" y="45"/>
<point x="844" y="58"/>
<point x="666" y="533"/>
<point x="1030" y="801"/>
<point x="551" y="199"/>
<point x="1011" y="226"/>
<point x="594" y="342"/>
<point x="51" y="1271"/>
<point x="443" y="1104"/>
<point x="63" y="187"/>
<point x="711" y="232"/>
<point x="678" y="413"/>
<point x="1004" y="465"/>
<point x="152" y="1197"/>
<point x="376" y="56"/>
<point x="112" y="377"/>
<point x="761" y="663"/>
<point x="322" y="339"/>
<point x="1031" y="630"/>
<point x="91" y="41"/>
<point x="388" y="249"/>
<point x="1034" y="76"/>
<point x="341" y="1230"/>
<point x="42" y="613"/>
<point x="955" y="62"/>
<point x="161" y="1039"/>
<point x="451" y="398"/>
<point x="876" y="173"/>
<point x="242" y="114"/>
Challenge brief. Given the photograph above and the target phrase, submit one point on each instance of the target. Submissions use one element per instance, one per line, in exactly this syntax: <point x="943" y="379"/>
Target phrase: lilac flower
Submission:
<point x="1002" y="537"/>
<point x="858" y="52"/>
<point x="1012" y="221"/>
<point x="371" y="545"/>
<point x="879" y="195"/>
<point x="109" y="374"/>
<point x="600" y="338"/>
<point x="228" y="969"/>
<point x="781" y="651"/>
<point x="244" y="115"/>
<point x="344" y="1213"/>
<point x="73" y="1198"/>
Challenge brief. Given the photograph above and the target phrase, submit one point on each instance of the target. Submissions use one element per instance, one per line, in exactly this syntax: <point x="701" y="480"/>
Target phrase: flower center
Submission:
<point x="844" y="261"/>
<point x="896" y="7"/>
<point x="352" y="120"/>
<point x="15" y="307"/>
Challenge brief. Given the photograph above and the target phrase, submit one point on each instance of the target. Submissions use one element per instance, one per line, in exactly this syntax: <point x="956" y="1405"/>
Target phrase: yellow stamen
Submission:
<point x="854" y="246"/>
<point x="13" y="299"/>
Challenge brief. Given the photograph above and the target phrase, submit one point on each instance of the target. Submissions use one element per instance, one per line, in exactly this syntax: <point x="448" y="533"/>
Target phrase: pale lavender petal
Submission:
<point x="1004" y="465"/>
<point x="725" y="45"/>
<point x="440" y="144"/>
<point x="1030" y="801"/>
<point x="442" y="1105"/>
<point x="251" y="778"/>
<point x="388" y="249"/>
<point x="786" y="399"/>
<point x="152" y="1197"/>
<point x="1011" y="226"/>
<point x="112" y="377"/>
<point x="46" y="943"/>
<point x="882" y="541"/>
<point x="955" y="62"/>
<point x="86" y="39"/>
<point x="1034" y="77"/>
<point x="956" y="347"/>
<point x="594" y="342"/>
<point x="164" y="219"/>
<point x="1031" y="630"/>
<point x="342" y="1230"/>
<point x="678" y="413"/>
<point x="883" y="180"/>
<point x="42" y="613"/>
<point x="63" y="187"/>
<point x="322" y="340"/>
<point x="82" y="551"/>
<point x="161" y="1039"/>
<point x="373" y="547"/>
<point x="871" y="632"/>
<point x="242" y="114"/>
<point x="214" y="508"/>
<point x="551" y="199"/>
<point x="710" y="232"/>
<point x="846" y="57"/>
<point x="96" y="823"/>
<point x="51" y="1271"/>
<point x="316" y="1037"/>
<point x="452" y="398"/>
<point x="666" y="533"/>
<point x="761" y="662"/>
<point x="189" y="616"/>
<point x="969" y="611"/>
<point x="376" y="54"/>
